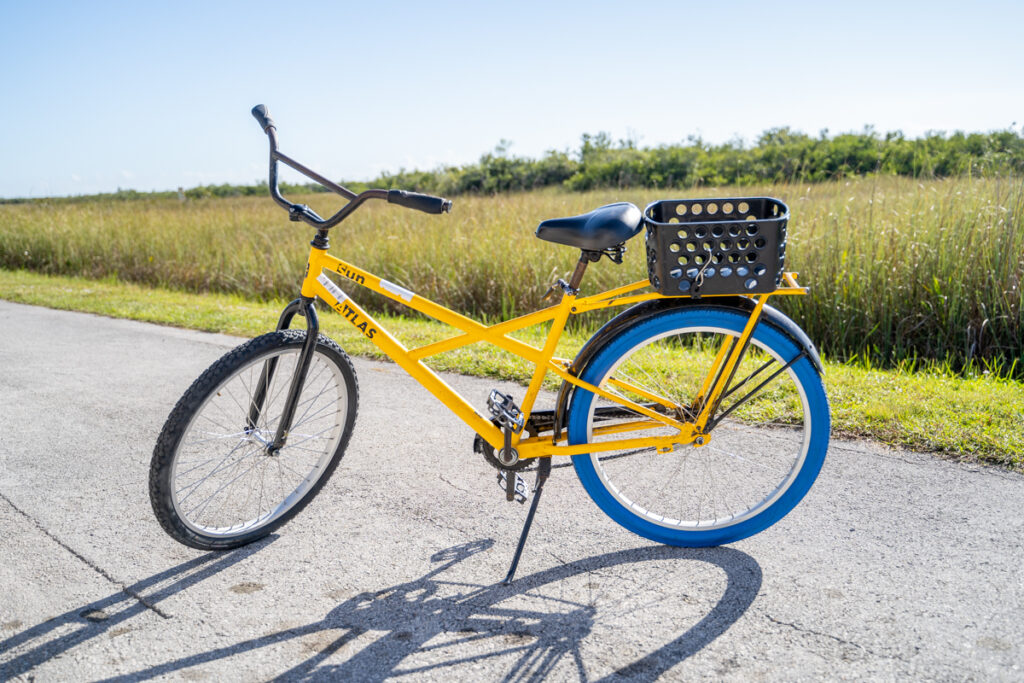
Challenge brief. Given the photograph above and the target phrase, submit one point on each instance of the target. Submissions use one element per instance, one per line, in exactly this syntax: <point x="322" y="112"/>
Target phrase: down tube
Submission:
<point x="339" y="301"/>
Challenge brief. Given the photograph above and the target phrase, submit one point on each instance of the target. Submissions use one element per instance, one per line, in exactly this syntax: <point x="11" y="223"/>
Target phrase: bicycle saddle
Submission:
<point x="595" y="231"/>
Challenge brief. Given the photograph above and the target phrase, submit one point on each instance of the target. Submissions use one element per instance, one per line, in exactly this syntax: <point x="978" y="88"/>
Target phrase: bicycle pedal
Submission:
<point x="505" y="411"/>
<point x="515" y="489"/>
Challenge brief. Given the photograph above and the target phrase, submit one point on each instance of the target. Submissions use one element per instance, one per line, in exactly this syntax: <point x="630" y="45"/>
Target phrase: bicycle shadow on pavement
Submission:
<point x="413" y="614"/>
<point x="59" y="634"/>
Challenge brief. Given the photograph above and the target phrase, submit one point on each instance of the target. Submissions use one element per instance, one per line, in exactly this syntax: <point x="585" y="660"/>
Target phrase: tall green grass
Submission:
<point x="906" y="271"/>
<point x="902" y="272"/>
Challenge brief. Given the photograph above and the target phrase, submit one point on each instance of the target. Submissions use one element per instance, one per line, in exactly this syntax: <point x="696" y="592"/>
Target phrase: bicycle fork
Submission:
<point x="302" y="306"/>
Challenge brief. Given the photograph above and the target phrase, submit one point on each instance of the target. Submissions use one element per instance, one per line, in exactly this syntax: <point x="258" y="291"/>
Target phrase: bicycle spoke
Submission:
<point x="736" y="456"/>
<point x="197" y="466"/>
<point x="215" y="423"/>
<point x="218" y="437"/>
<point x="317" y="415"/>
<point x="309" y="401"/>
<point x="198" y="511"/>
<point x="215" y="470"/>
<point x="289" y="448"/>
<point x="309" y="381"/>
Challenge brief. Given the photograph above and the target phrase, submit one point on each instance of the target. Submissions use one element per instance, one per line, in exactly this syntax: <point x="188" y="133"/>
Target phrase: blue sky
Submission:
<point x="155" y="95"/>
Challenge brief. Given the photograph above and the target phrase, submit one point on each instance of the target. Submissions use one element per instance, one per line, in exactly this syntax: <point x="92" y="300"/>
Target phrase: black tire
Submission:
<point x="206" y="446"/>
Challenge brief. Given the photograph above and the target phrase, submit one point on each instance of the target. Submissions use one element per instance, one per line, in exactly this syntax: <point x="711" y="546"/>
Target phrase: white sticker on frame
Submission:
<point x="334" y="289"/>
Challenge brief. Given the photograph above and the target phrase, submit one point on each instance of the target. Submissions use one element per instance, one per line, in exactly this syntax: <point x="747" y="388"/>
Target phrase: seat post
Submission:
<point x="581" y="267"/>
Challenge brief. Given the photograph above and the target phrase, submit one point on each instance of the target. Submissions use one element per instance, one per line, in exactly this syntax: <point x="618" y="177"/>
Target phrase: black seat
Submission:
<point x="598" y="230"/>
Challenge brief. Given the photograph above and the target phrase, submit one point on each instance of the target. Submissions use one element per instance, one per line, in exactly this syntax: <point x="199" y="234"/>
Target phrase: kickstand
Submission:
<point x="543" y="470"/>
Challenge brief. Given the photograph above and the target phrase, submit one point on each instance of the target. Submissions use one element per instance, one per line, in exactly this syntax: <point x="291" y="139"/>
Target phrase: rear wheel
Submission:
<point x="761" y="458"/>
<point x="214" y="483"/>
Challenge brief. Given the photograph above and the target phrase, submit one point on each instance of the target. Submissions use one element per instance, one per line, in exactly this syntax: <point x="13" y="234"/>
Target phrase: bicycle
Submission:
<point x="695" y="417"/>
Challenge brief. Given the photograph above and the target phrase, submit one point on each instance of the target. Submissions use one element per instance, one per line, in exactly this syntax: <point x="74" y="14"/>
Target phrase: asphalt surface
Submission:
<point x="895" y="566"/>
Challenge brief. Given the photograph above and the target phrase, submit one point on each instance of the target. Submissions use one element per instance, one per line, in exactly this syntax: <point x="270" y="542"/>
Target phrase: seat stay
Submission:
<point x="639" y="391"/>
<point x="621" y="400"/>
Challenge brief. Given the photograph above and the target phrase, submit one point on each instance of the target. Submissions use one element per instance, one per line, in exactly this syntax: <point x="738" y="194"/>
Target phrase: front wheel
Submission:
<point x="761" y="458"/>
<point x="214" y="483"/>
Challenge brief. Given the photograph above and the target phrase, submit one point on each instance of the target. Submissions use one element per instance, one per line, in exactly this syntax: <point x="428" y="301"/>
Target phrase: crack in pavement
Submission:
<point x="841" y="641"/>
<point x="443" y="527"/>
<point x="457" y="488"/>
<point x="897" y="657"/>
<point x="86" y="561"/>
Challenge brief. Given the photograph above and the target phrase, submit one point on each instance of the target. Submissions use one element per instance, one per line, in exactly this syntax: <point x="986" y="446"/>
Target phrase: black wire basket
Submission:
<point x="701" y="247"/>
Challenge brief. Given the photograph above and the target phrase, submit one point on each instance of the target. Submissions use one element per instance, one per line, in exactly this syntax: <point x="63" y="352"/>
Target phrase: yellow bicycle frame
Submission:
<point x="316" y="283"/>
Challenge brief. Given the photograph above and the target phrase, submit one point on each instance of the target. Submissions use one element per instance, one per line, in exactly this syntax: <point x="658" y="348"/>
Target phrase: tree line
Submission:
<point x="779" y="155"/>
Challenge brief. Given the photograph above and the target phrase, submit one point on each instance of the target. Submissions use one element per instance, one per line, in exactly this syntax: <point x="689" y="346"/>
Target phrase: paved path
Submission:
<point x="895" y="566"/>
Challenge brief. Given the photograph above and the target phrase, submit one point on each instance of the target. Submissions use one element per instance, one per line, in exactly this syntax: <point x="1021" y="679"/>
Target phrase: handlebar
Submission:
<point x="421" y="202"/>
<point x="301" y="212"/>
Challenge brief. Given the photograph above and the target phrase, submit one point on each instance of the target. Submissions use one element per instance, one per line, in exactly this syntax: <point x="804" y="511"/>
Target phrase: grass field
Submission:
<point x="903" y="273"/>
<point x="979" y="418"/>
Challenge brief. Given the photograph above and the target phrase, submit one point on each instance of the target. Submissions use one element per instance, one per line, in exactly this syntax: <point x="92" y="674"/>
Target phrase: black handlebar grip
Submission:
<point x="261" y="115"/>
<point x="421" y="202"/>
